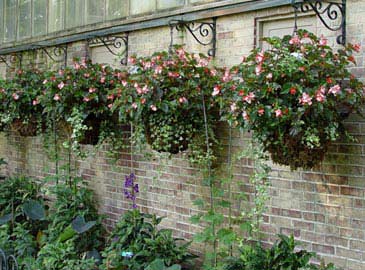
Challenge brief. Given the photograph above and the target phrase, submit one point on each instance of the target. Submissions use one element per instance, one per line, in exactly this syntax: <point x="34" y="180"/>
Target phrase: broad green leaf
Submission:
<point x="80" y="226"/>
<point x="34" y="210"/>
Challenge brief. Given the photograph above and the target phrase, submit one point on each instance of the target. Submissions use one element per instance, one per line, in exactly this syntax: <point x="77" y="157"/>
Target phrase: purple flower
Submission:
<point x="130" y="189"/>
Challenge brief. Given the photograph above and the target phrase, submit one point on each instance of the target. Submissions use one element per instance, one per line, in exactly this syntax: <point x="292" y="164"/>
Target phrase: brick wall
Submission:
<point x="324" y="208"/>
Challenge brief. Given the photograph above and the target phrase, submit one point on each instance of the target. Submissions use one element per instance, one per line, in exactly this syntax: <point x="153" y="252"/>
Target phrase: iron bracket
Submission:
<point x="112" y="43"/>
<point x="328" y="12"/>
<point x="200" y="31"/>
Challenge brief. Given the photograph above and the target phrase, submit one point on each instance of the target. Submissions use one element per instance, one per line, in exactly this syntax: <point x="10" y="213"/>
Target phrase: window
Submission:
<point x="10" y="20"/>
<point x="25" y="19"/>
<point x="39" y="17"/>
<point x="75" y="11"/>
<point x="94" y="11"/>
<point x="56" y="15"/>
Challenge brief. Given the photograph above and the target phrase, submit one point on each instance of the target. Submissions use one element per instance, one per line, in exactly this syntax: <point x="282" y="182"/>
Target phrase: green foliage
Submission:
<point x="294" y="97"/>
<point x="217" y="234"/>
<point x="75" y="204"/>
<point x="62" y="256"/>
<point x="281" y="256"/>
<point x="19" y="97"/>
<point x="33" y="235"/>
<point x="163" y="98"/>
<point x="136" y="243"/>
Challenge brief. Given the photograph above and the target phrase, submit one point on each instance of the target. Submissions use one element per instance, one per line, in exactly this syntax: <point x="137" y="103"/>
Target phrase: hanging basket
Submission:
<point x="168" y="132"/>
<point x="91" y="135"/>
<point x="28" y="129"/>
<point x="294" y="152"/>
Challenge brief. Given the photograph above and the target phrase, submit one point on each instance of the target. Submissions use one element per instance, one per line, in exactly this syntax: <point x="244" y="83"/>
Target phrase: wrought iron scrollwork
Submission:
<point x="113" y="44"/>
<point x="56" y="52"/>
<point x="205" y="33"/>
<point x="328" y="12"/>
<point x="14" y="58"/>
<point x="9" y="262"/>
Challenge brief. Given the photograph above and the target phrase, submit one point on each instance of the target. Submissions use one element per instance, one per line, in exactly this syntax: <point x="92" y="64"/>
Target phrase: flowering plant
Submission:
<point x="78" y="95"/>
<point x="164" y="96"/>
<point x="131" y="189"/>
<point x="19" y="97"/>
<point x="294" y="97"/>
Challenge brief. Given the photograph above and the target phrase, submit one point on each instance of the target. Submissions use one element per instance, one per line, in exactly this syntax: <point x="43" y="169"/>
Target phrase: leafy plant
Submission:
<point x="163" y="97"/>
<point x="136" y="243"/>
<point x="73" y="214"/>
<point x="294" y="97"/>
<point x="281" y="256"/>
<point x="21" y="110"/>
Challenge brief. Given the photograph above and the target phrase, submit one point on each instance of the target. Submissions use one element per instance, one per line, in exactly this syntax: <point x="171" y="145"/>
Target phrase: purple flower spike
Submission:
<point x="130" y="189"/>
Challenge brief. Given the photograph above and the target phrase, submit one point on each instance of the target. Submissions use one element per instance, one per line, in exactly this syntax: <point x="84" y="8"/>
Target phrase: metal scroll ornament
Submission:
<point x="113" y="44"/>
<point x="14" y="59"/>
<point x="329" y="12"/>
<point x="205" y="33"/>
<point x="9" y="262"/>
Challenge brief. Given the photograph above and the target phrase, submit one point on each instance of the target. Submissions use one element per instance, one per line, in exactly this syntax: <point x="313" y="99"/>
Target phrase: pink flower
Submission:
<point x="245" y="116"/>
<point x="322" y="41"/>
<point x="213" y="72"/>
<point x="35" y="102"/>
<point x="153" y="108"/>
<point x="76" y="66"/>
<point x="183" y="100"/>
<point x="321" y="94"/>
<point x="249" y="98"/>
<point x="305" y="99"/>
<point x="143" y="100"/>
<point x="158" y="69"/>
<point x="86" y="99"/>
<point x="356" y="47"/>
<point x="260" y="57"/>
<point x="335" y="90"/>
<point x="45" y="81"/>
<point x="261" y="111"/>
<point x="124" y="83"/>
<point x="2" y="90"/>
<point x="110" y="97"/>
<point x="203" y="62"/>
<point x="134" y="105"/>
<point x="295" y="40"/>
<point x="61" y="72"/>
<point x="102" y="80"/>
<point x="233" y="107"/>
<point x="110" y="105"/>
<point x="258" y="69"/>
<point x="92" y="90"/>
<point x="132" y="60"/>
<point x="56" y="97"/>
<point x="216" y="90"/>
<point x="278" y="113"/>
<point x="269" y="76"/>
<point x="86" y="75"/>
<point x="173" y="74"/>
<point x="147" y="65"/>
<point x="227" y="76"/>
<point x="181" y="53"/>
<point x="243" y="59"/>
<point x="15" y="96"/>
<point x="302" y="69"/>
<point x="61" y="85"/>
